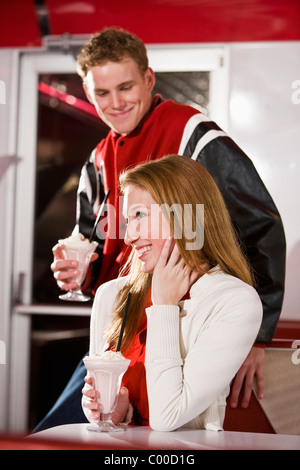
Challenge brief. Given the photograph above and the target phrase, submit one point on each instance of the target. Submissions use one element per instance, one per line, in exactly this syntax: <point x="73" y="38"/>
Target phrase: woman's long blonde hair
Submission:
<point x="178" y="181"/>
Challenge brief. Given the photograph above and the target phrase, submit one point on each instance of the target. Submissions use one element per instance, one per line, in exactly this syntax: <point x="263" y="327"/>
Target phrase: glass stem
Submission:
<point x="106" y="417"/>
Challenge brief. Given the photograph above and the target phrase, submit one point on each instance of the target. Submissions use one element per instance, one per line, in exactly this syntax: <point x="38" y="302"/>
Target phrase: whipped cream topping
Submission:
<point x="108" y="356"/>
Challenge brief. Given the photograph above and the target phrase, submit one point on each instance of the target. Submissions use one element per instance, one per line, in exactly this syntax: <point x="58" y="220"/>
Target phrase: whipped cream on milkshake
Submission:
<point x="79" y="248"/>
<point x="77" y="241"/>
<point x="109" y="356"/>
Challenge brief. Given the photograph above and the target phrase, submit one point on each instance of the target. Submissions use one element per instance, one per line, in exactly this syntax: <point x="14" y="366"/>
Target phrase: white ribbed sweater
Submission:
<point x="193" y="350"/>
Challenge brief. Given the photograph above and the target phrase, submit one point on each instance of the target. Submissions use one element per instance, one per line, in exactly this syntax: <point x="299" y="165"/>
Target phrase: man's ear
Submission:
<point x="150" y="79"/>
<point x="86" y="90"/>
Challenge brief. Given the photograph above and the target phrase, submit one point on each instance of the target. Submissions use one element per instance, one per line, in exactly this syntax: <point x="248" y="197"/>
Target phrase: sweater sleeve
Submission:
<point x="98" y="323"/>
<point x="102" y="313"/>
<point x="181" y="387"/>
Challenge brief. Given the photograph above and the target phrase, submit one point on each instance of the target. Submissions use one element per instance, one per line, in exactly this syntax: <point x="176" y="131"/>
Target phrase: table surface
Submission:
<point x="142" y="437"/>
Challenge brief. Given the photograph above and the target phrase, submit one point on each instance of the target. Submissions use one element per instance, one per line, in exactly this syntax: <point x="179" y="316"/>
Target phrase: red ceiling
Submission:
<point x="155" y="21"/>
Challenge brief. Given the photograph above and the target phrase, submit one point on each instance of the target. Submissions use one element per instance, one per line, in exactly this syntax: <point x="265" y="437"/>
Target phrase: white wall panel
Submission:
<point x="265" y="121"/>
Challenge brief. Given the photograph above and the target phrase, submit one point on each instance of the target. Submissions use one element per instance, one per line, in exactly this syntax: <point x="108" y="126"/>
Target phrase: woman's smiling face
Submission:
<point x="147" y="228"/>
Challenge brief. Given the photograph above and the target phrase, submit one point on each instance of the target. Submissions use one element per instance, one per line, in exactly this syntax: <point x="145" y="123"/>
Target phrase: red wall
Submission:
<point x="155" y="21"/>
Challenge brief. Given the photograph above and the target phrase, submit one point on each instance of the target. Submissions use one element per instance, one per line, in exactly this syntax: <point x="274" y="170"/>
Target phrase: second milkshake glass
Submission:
<point x="82" y="254"/>
<point x="107" y="376"/>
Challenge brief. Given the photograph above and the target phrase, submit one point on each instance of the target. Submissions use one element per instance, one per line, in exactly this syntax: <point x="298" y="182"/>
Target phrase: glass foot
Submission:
<point x="105" y="427"/>
<point x="75" y="296"/>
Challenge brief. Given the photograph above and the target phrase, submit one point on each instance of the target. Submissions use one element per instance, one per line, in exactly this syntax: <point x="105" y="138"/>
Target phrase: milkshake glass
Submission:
<point x="79" y="248"/>
<point x="107" y="371"/>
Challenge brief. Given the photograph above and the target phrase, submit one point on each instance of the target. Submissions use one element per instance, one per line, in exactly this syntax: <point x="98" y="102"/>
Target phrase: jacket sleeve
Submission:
<point x="252" y="210"/>
<point x="90" y="193"/>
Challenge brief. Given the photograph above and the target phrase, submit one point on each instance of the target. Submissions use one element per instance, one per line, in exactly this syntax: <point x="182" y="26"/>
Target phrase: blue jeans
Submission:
<point x="67" y="409"/>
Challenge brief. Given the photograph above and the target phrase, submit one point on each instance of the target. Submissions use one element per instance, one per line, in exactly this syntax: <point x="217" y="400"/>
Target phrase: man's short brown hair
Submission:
<point x="113" y="45"/>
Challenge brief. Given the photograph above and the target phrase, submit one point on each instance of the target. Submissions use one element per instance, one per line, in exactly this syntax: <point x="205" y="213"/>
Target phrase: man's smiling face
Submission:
<point x="120" y="93"/>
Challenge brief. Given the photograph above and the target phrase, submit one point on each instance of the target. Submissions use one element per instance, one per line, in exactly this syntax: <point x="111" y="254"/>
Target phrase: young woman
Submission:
<point x="194" y="313"/>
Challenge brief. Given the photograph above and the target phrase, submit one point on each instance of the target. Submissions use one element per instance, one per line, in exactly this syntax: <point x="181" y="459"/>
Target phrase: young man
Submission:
<point x="118" y="81"/>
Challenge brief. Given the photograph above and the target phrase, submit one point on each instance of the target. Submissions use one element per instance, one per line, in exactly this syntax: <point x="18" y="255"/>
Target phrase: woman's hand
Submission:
<point x="91" y="403"/>
<point x="171" y="279"/>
